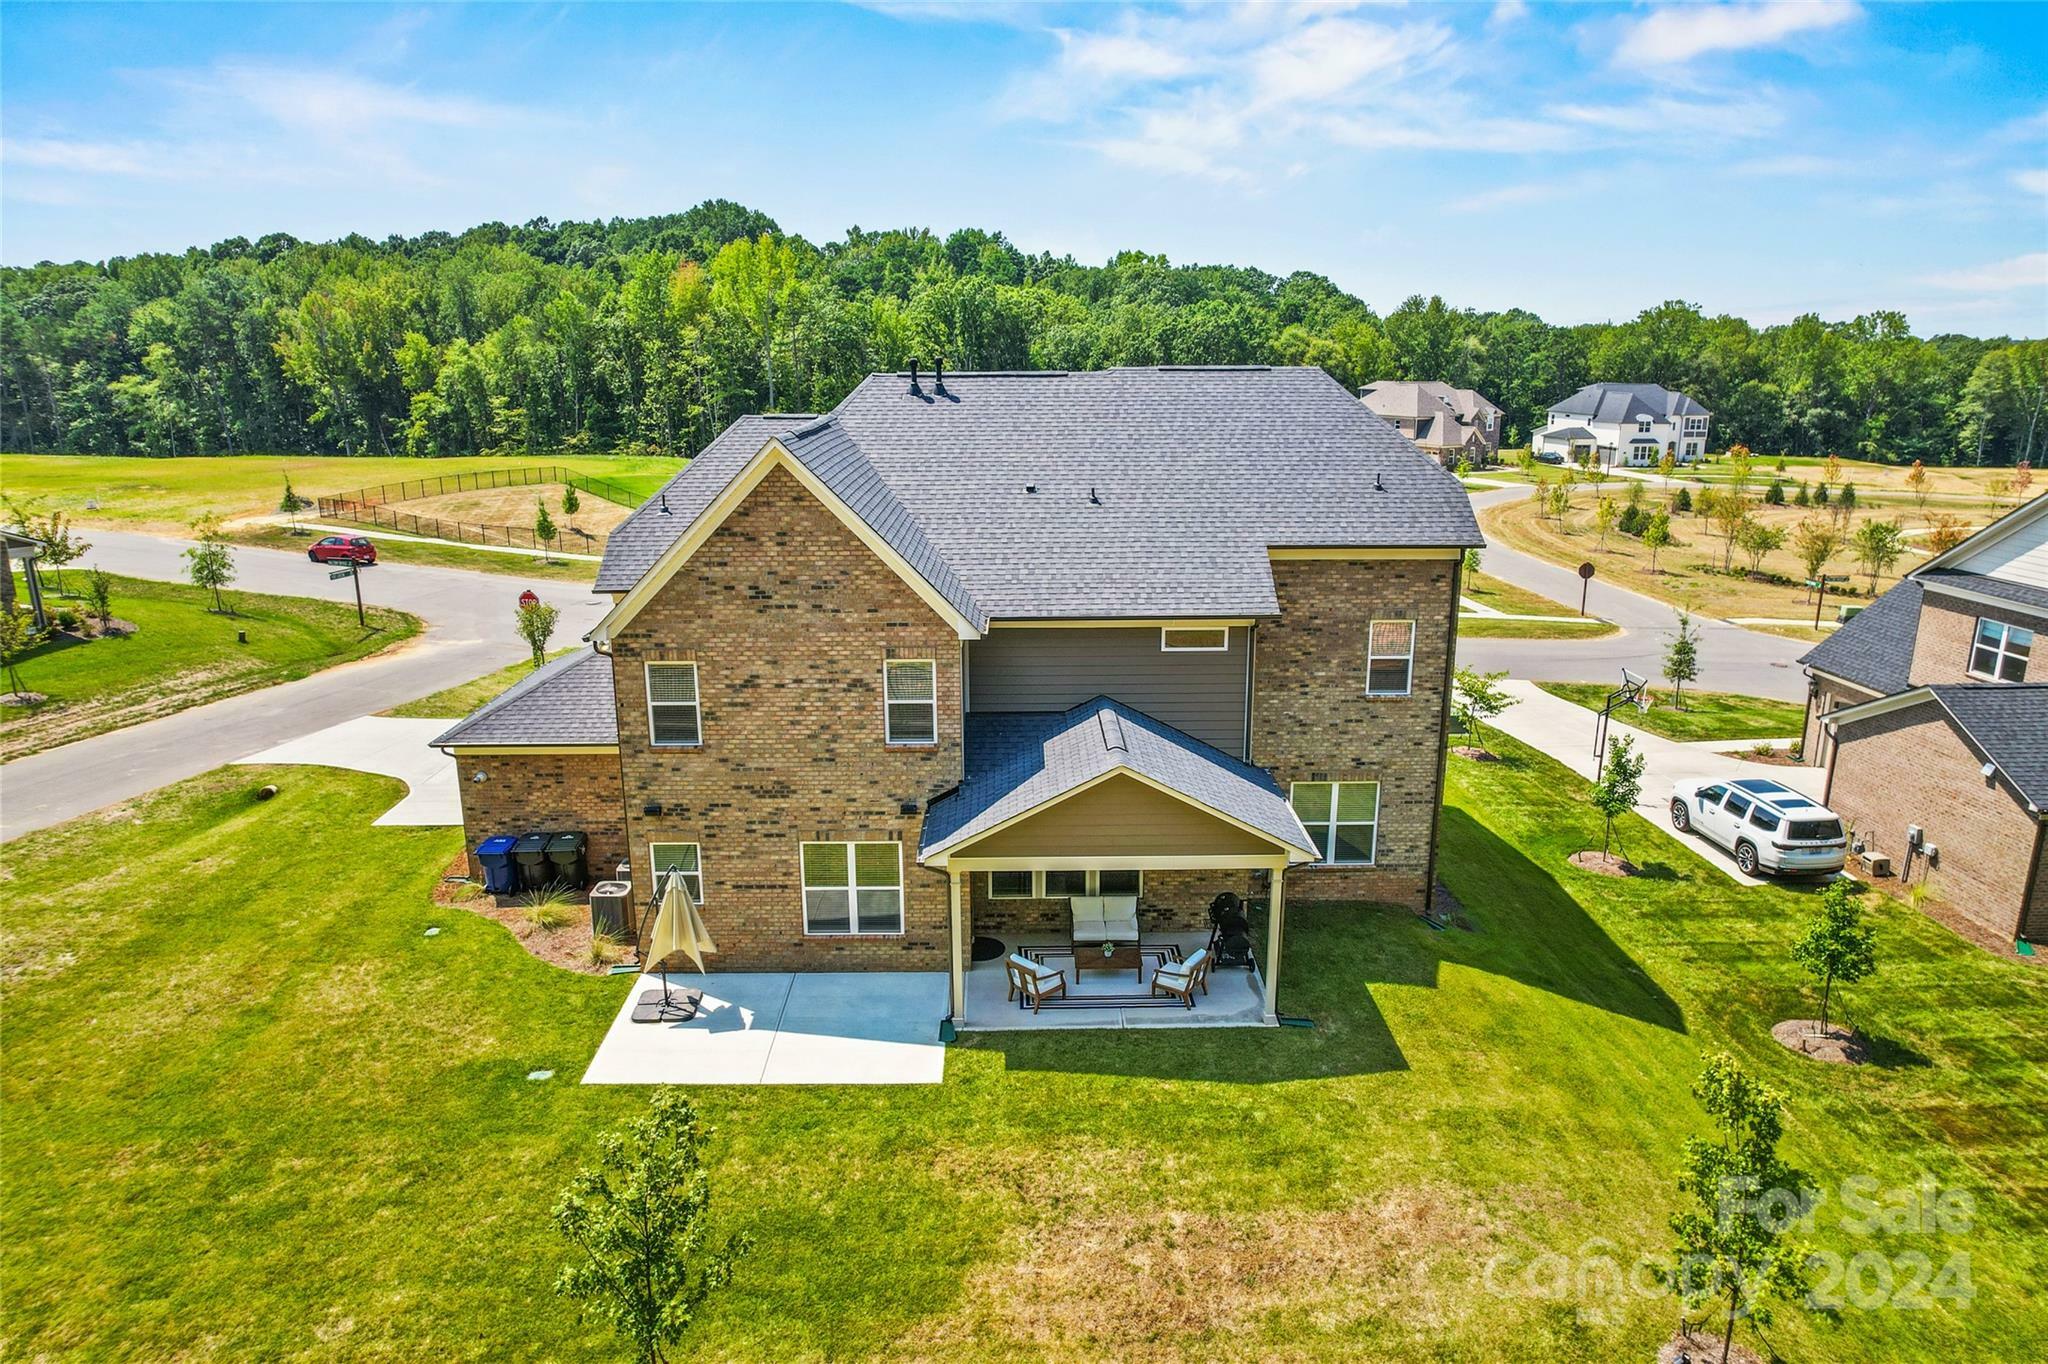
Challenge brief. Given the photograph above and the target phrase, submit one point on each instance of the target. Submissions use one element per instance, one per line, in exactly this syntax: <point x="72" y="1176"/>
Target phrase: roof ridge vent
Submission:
<point x="1112" y="731"/>
<point x="810" y="430"/>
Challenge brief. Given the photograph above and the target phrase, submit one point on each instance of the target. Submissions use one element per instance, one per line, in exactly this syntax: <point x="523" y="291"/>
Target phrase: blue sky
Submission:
<point x="1584" y="161"/>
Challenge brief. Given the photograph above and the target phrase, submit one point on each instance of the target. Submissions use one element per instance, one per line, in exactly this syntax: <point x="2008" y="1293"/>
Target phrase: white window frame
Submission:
<point x="1031" y="886"/>
<point x="1371" y="629"/>
<point x="853" y="888"/>
<point x="1695" y="426"/>
<point x="2001" y="651"/>
<point x="1328" y="850"/>
<point x="888" y="702"/>
<point x="1167" y="647"/>
<point x="1642" y="426"/>
<point x="1090" y="885"/>
<point x="696" y="852"/>
<point x="696" y="706"/>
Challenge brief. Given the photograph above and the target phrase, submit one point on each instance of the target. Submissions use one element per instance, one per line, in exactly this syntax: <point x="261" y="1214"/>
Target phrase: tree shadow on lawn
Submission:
<point x="1532" y="932"/>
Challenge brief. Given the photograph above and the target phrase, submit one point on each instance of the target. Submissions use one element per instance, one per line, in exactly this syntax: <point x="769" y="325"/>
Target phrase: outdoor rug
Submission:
<point x="1087" y="992"/>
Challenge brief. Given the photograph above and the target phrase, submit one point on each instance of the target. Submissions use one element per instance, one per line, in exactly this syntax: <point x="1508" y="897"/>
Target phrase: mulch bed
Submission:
<point x="1450" y="909"/>
<point x="1839" y="1045"/>
<point x="1703" y="1348"/>
<point x="1777" y="757"/>
<point x="567" y="947"/>
<point x="1478" y="755"/>
<point x="27" y="700"/>
<point x="1602" y="864"/>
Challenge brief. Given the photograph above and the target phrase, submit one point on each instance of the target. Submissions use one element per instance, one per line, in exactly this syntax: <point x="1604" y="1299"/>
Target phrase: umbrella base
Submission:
<point x="671" y="1006"/>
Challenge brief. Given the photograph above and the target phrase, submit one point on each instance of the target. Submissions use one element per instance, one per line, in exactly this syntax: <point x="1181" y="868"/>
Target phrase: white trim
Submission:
<point x="1976" y="598"/>
<point x="697" y="705"/>
<point x="1341" y="552"/>
<point x="1329" y="845"/>
<point x="771" y="456"/>
<point x="1168" y="648"/>
<point x="654" y="867"/>
<point x="2002" y="650"/>
<point x="1883" y="705"/>
<point x="1119" y="862"/>
<point x="2016" y="519"/>
<point x="525" y="750"/>
<point x="853" y="888"/>
<point x="888" y="722"/>
<point x="1117" y="622"/>
<point x="1408" y="681"/>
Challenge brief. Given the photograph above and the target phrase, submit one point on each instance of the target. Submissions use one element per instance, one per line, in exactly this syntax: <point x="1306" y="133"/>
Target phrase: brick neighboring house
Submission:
<point x="931" y="664"/>
<point x="1445" y="422"/>
<point x="1922" y="711"/>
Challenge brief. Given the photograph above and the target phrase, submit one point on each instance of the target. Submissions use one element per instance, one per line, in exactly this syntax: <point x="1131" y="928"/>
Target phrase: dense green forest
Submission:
<point x="653" y="333"/>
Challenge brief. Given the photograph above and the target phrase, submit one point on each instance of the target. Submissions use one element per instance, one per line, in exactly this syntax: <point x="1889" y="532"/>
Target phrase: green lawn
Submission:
<point x="253" y="1114"/>
<point x="462" y="698"/>
<point x="431" y="553"/>
<point x="182" y="655"/>
<point x="1501" y="595"/>
<point x="1707" y="714"/>
<point x="166" y="494"/>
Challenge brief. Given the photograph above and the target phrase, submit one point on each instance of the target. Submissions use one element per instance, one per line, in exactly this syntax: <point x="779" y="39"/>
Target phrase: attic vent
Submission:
<point x="1030" y="487"/>
<point x="1112" y="732"/>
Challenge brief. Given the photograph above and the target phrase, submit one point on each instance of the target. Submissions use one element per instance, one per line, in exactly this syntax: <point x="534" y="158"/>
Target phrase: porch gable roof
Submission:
<point x="1018" y="764"/>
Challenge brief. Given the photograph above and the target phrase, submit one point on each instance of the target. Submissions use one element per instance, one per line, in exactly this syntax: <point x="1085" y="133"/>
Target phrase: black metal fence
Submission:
<point x="371" y="506"/>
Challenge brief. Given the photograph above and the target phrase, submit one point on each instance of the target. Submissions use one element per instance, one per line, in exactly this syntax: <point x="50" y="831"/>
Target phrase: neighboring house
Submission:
<point x="1626" y="424"/>
<point x="931" y="664"/>
<point x="25" y="552"/>
<point x="1446" y="422"/>
<point x="1924" y="713"/>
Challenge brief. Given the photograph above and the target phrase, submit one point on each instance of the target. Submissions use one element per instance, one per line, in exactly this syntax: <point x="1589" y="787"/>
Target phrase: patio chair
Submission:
<point x="1104" y="918"/>
<point x="1181" y="979"/>
<point x="1033" y="981"/>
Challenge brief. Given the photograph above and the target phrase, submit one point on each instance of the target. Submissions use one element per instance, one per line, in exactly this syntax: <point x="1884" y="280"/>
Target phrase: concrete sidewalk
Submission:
<point x="1564" y="731"/>
<point x="389" y="747"/>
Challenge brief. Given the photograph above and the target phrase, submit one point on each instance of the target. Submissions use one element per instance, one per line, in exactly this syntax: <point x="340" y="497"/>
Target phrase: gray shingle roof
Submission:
<point x="1983" y="584"/>
<point x="1159" y="490"/>
<point x="1565" y="433"/>
<point x="1018" y="762"/>
<point x="568" y="701"/>
<point x="1627" y="402"/>
<point x="2007" y="721"/>
<point x="1875" y="649"/>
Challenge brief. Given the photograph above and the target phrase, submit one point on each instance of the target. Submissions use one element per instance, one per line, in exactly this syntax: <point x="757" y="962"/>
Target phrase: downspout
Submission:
<point x="1443" y="734"/>
<point x="2033" y="877"/>
<point x="1251" y="666"/>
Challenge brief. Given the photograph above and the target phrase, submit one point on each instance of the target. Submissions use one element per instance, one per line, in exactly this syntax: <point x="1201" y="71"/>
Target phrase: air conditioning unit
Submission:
<point x="611" y="909"/>
<point x="1877" y="864"/>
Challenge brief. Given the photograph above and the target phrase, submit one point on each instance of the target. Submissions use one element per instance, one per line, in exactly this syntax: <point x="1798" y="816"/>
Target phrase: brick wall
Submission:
<point x="2034" y="923"/>
<point x="1829" y="695"/>
<point x="1171" y="902"/>
<point x="1941" y="652"/>
<point x="1912" y="766"/>
<point x="1313" y="721"/>
<point x="788" y="618"/>
<point x="552" y="792"/>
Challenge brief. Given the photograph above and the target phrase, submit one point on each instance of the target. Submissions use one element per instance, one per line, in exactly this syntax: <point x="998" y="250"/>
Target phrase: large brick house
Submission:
<point x="1934" y="737"/>
<point x="933" y="663"/>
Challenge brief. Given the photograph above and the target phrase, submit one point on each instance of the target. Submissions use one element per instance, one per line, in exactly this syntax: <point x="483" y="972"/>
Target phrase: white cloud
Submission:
<point x="1797" y="165"/>
<point x="2032" y="181"/>
<point x="85" y="158"/>
<point x="2029" y="271"/>
<point x="1507" y="12"/>
<point x="1507" y="196"/>
<point x="1680" y="32"/>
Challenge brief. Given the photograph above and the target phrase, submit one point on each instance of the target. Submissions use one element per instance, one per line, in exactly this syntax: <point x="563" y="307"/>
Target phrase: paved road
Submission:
<point x="469" y="632"/>
<point x="1731" y="658"/>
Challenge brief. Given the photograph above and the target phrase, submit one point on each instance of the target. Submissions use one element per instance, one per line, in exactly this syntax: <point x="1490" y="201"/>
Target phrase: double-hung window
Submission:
<point x="1642" y="426"/>
<point x="910" y="701"/>
<point x="674" y="719"/>
<point x="2001" y="651"/>
<point x="1342" y="819"/>
<point x="852" y="888"/>
<point x="682" y="859"/>
<point x="1389" y="657"/>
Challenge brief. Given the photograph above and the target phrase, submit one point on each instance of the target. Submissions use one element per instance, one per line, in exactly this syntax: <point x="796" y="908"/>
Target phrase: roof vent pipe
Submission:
<point x="913" y="376"/>
<point x="939" y="374"/>
<point x="1093" y="498"/>
<point x="1377" y="486"/>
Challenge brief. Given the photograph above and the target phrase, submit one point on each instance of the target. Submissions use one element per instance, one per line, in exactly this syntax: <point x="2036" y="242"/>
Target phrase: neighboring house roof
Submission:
<point x="1017" y="763"/>
<point x="1158" y="491"/>
<point x="1874" y="650"/>
<point x="1564" y="433"/>
<point x="568" y="702"/>
<point x="1627" y="403"/>
<point x="1444" y="416"/>
<point x="2004" y="720"/>
<point x="1985" y="585"/>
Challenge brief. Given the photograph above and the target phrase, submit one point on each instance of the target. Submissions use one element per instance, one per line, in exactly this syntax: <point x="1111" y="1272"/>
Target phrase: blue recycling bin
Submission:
<point x="500" y="876"/>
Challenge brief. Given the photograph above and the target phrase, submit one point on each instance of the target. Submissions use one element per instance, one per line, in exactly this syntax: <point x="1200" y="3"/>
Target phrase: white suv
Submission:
<point x="1766" y="824"/>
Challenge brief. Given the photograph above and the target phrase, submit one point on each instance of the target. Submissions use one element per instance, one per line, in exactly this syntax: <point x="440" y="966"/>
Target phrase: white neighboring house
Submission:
<point x="1629" y="424"/>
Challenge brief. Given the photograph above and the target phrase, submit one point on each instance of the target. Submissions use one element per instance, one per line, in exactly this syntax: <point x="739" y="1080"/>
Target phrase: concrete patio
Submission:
<point x="1234" y="999"/>
<point x="783" y="1028"/>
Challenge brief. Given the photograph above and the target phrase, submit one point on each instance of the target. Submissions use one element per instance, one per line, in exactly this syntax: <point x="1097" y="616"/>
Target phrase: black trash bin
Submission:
<point x="566" y="857"/>
<point x="531" y="853"/>
<point x="501" y="877"/>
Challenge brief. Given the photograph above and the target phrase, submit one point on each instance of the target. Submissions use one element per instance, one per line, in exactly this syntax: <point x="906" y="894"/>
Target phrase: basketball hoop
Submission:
<point x="1634" y="691"/>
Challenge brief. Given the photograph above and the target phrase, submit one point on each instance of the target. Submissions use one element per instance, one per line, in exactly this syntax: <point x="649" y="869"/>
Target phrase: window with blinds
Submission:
<point x="910" y="700"/>
<point x="673" y="716"/>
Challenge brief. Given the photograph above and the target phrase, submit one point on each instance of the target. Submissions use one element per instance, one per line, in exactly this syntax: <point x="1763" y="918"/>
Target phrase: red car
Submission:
<point x="343" y="548"/>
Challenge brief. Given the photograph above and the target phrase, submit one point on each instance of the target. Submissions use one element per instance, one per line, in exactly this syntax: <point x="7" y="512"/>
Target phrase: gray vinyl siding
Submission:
<point x="1053" y="669"/>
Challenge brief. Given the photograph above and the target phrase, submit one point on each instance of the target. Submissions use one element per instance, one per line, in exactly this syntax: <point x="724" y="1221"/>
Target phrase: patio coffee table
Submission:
<point x="1124" y="956"/>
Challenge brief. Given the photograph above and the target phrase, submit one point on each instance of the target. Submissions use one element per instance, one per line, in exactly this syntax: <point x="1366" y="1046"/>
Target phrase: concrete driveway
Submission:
<point x="391" y="748"/>
<point x="783" y="1028"/>
<point x="469" y="632"/>
<point x="1564" y="731"/>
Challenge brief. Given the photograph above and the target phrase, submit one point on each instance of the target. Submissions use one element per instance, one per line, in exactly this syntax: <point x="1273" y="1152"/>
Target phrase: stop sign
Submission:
<point x="529" y="598"/>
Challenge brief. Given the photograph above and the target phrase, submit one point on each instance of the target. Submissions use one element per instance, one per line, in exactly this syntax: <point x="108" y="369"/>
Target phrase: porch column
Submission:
<point x="1275" y="912"/>
<point x="958" y="992"/>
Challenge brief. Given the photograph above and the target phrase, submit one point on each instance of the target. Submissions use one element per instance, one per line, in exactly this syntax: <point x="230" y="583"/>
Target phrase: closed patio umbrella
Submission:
<point x="677" y="928"/>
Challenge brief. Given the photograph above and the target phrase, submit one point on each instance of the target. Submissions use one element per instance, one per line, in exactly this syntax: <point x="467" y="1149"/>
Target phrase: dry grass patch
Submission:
<point x="515" y="507"/>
